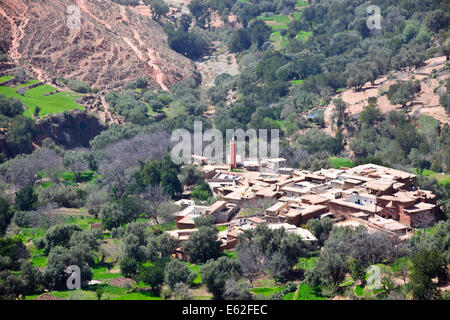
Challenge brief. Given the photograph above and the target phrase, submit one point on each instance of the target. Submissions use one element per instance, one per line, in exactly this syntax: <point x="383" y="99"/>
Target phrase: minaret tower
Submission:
<point x="233" y="164"/>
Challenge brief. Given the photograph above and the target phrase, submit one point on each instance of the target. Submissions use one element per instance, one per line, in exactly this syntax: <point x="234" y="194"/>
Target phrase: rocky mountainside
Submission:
<point x="114" y="44"/>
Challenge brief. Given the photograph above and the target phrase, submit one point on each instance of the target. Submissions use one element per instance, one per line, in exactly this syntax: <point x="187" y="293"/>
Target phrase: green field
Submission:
<point x="101" y="273"/>
<point x="304" y="292"/>
<point x="282" y="19"/>
<point x="57" y="102"/>
<point x="5" y="78"/>
<point x="281" y="22"/>
<point x="303" y="35"/>
<point x="138" y="296"/>
<point x="266" y="291"/>
<point x="441" y="178"/>
<point x="341" y="162"/>
<point x="296" y="82"/>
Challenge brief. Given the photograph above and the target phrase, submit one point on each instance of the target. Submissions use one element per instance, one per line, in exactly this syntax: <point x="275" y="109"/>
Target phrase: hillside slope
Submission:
<point x="115" y="44"/>
<point x="425" y="102"/>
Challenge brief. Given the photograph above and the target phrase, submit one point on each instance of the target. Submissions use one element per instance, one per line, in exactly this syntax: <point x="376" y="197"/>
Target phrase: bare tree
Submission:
<point x="118" y="161"/>
<point x="22" y="170"/>
<point x="75" y="161"/>
<point x="155" y="202"/>
<point x="251" y="260"/>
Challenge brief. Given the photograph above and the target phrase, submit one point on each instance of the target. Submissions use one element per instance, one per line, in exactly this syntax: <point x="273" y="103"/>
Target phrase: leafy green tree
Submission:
<point x="358" y="271"/>
<point x="21" y="133"/>
<point x="259" y="32"/>
<point x="128" y="266"/>
<point x="59" y="259"/>
<point x="10" y="107"/>
<point x="215" y="273"/>
<point x="112" y="216"/>
<point x="201" y="191"/>
<point x="26" y="199"/>
<point x="154" y="274"/>
<point x="6" y="214"/>
<point x="240" y="40"/>
<point x="204" y="221"/>
<point x="436" y="20"/>
<point x="370" y="114"/>
<point x="198" y="9"/>
<point x="12" y="253"/>
<point x="320" y="228"/>
<point x="203" y="244"/>
<point x="31" y="278"/>
<point x="159" y="8"/>
<point x="10" y="285"/>
<point x="177" y="272"/>
<point x="190" y="44"/>
<point x="427" y="264"/>
<point x="403" y="92"/>
<point x="185" y="22"/>
<point x="190" y="175"/>
<point x="60" y="235"/>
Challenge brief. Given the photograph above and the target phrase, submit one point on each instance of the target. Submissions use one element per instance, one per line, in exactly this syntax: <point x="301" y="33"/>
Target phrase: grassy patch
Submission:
<point x="282" y="19"/>
<point x="138" y="296"/>
<point x="58" y="102"/>
<point x="297" y="82"/>
<point x="101" y="273"/>
<point x="304" y="292"/>
<point x="83" y="222"/>
<point x="279" y="27"/>
<point x="230" y="253"/>
<point x="441" y="178"/>
<point x="39" y="261"/>
<point x="271" y="18"/>
<point x="250" y="212"/>
<point x="304" y="35"/>
<point x="5" y="78"/>
<point x="196" y="269"/>
<point x="221" y="228"/>
<point x="341" y="162"/>
<point x="306" y="263"/>
<point x="28" y="234"/>
<point x="266" y="291"/>
<point x="289" y="296"/>
<point x="359" y="291"/>
<point x="167" y="226"/>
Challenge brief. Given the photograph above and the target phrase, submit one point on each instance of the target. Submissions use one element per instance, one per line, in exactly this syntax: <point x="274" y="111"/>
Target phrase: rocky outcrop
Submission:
<point x="69" y="129"/>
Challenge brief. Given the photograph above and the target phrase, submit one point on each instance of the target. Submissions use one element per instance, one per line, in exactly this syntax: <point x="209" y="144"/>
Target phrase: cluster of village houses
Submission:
<point x="377" y="197"/>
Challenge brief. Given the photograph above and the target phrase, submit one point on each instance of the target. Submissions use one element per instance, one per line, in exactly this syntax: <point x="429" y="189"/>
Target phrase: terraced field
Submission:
<point x="47" y="97"/>
<point x="281" y="22"/>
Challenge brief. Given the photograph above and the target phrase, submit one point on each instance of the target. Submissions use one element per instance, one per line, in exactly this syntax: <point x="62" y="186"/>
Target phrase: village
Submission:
<point x="251" y="192"/>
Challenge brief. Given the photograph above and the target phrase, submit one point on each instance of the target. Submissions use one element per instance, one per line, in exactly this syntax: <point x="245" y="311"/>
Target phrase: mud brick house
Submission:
<point x="341" y="207"/>
<point x="415" y="209"/>
<point x="222" y="211"/>
<point x="301" y="216"/>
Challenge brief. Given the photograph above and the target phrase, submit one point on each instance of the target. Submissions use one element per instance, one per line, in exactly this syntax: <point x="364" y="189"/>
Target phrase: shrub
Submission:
<point x="79" y="86"/>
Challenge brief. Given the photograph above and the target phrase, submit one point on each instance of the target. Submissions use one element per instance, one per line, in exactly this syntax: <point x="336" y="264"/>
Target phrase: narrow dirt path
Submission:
<point x="83" y="6"/>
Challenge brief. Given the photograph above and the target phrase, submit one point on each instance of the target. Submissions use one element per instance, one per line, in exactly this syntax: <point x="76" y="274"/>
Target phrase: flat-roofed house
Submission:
<point x="380" y="187"/>
<point x="222" y="211"/>
<point x="301" y="215"/>
<point x="420" y="215"/>
<point x="340" y="207"/>
<point x="276" y="209"/>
